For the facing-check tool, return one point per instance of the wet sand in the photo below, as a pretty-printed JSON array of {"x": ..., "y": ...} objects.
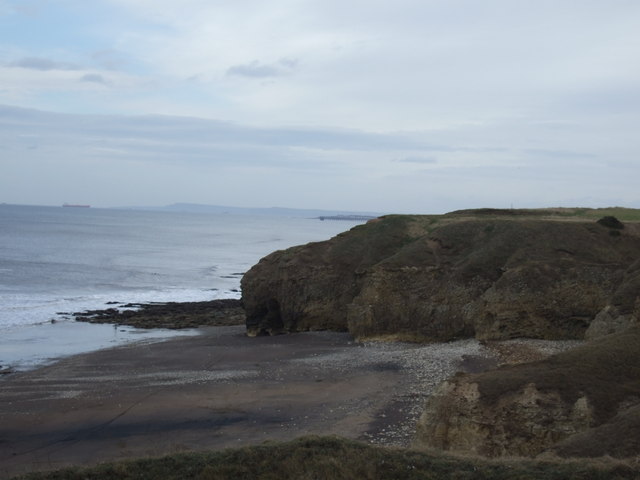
[
  {"x": 31, "y": 346},
  {"x": 216, "y": 390},
  {"x": 220, "y": 389}
]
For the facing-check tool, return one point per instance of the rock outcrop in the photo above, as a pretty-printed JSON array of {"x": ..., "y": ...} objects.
[
  {"x": 580, "y": 403},
  {"x": 497, "y": 275},
  {"x": 175, "y": 315},
  {"x": 624, "y": 308}
]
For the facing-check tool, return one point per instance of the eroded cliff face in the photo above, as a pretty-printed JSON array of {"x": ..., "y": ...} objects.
[
  {"x": 581, "y": 403},
  {"x": 436, "y": 278},
  {"x": 521, "y": 423},
  {"x": 623, "y": 309}
]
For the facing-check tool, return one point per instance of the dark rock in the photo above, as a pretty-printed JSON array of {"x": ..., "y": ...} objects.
[{"x": 170, "y": 315}]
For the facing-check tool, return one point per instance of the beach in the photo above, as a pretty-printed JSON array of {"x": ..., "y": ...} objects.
[
  {"x": 214, "y": 390},
  {"x": 221, "y": 389},
  {"x": 27, "y": 347}
]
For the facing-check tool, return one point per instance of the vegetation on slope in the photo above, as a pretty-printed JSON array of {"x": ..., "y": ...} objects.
[
  {"x": 491, "y": 273},
  {"x": 335, "y": 459},
  {"x": 584, "y": 402},
  {"x": 607, "y": 371}
]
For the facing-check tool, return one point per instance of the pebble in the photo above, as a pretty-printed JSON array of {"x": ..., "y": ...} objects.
[{"x": 423, "y": 368}]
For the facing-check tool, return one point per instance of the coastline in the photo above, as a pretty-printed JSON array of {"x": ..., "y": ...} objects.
[
  {"x": 33, "y": 346},
  {"x": 221, "y": 389},
  {"x": 30, "y": 346},
  {"x": 228, "y": 390}
]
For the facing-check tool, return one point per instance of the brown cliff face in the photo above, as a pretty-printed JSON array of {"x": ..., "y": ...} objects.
[
  {"x": 580, "y": 403},
  {"x": 308, "y": 287},
  {"x": 436, "y": 278}
]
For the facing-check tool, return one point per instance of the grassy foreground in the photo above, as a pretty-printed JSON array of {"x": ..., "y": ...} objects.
[{"x": 335, "y": 458}]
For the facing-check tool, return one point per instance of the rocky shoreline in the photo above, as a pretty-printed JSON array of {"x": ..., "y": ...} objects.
[
  {"x": 426, "y": 366},
  {"x": 421, "y": 367},
  {"x": 172, "y": 315},
  {"x": 463, "y": 315}
]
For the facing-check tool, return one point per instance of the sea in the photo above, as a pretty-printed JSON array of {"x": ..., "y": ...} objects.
[{"x": 56, "y": 261}]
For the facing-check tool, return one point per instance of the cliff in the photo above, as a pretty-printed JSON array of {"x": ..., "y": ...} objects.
[
  {"x": 485, "y": 273},
  {"x": 580, "y": 403}
]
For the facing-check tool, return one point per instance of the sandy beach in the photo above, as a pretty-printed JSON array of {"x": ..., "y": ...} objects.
[
  {"x": 216, "y": 390},
  {"x": 219, "y": 389}
]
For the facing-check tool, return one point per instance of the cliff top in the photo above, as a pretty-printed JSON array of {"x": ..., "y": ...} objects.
[
  {"x": 558, "y": 214},
  {"x": 555, "y": 213}
]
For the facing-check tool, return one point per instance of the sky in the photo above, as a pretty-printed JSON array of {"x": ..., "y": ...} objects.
[{"x": 404, "y": 106}]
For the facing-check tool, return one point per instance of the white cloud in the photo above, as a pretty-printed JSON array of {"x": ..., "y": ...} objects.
[
  {"x": 246, "y": 165},
  {"x": 373, "y": 65},
  {"x": 386, "y": 96}
]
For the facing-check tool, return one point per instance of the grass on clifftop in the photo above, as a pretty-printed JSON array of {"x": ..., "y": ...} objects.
[
  {"x": 335, "y": 459},
  {"x": 621, "y": 213}
]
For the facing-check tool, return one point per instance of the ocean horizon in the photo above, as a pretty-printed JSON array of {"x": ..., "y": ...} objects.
[{"x": 56, "y": 261}]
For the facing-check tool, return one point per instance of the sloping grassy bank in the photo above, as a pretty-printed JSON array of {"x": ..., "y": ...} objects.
[{"x": 335, "y": 458}]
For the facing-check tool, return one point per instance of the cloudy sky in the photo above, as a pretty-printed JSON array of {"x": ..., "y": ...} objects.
[{"x": 391, "y": 106}]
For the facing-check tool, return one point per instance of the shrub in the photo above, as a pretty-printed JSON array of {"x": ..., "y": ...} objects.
[{"x": 611, "y": 222}]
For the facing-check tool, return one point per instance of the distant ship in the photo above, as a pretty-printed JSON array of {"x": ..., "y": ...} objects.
[{"x": 75, "y": 205}]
